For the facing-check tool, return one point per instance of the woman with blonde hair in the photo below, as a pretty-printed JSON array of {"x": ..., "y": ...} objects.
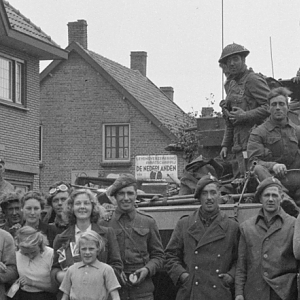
[
  {"x": 34, "y": 262},
  {"x": 82, "y": 212}
]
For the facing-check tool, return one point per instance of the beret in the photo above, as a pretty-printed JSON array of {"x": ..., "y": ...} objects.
[
  {"x": 9, "y": 197},
  {"x": 122, "y": 181},
  {"x": 203, "y": 181},
  {"x": 270, "y": 181}
]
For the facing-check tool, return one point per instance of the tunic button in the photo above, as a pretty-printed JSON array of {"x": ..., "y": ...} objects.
[
  {"x": 266, "y": 274},
  {"x": 196, "y": 283},
  {"x": 219, "y": 255},
  {"x": 196, "y": 252},
  {"x": 217, "y": 271},
  {"x": 196, "y": 268},
  {"x": 214, "y": 286},
  {"x": 267, "y": 239},
  {"x": 265, "y": 255}
]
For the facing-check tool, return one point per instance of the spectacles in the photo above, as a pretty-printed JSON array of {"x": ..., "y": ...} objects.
[{"x": 60, "y": 188}]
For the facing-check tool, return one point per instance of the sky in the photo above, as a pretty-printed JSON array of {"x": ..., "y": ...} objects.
[{"x": 182, "y": 38}]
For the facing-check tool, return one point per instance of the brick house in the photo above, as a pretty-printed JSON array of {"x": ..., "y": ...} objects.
[
  {"x": 22, "y": 46},
  {"x": 98, "y": 115}
]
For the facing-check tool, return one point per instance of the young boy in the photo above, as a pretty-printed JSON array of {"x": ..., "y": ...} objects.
[{"x": 90, "y": 279}]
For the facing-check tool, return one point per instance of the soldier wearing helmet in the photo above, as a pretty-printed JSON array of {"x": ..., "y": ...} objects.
[{"x": 245, "y": 105}]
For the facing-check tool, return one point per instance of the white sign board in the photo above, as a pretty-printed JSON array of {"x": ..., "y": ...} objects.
[{"x": 156, "y": 167}]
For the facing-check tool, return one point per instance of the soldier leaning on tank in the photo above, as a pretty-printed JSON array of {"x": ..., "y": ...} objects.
[
  {"x": 245, "y": 104},
  {"x": 274, "y": 145},
  {"x": 202, "y": 252},
  {"x": 139, "y": 241},
  {"x": 267, "y": 268}
]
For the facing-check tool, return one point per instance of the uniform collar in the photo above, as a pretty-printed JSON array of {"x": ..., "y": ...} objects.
[
  {"x": 270, "y": 124},
  {"x": 261, "y": 215},
  {"x": 119, "y": 213}
]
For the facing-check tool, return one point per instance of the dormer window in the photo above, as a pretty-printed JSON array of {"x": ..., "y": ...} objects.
[{"x": 12, "y": 80}]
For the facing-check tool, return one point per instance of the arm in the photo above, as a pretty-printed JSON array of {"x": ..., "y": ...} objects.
[
  {"x": 65, "y": 297},
  {"x": 257, "y": 151},
  {"x": 155, "y": 249},
  {"x": 47, "y": 287},
  {"x": 8, "y": 257},
  {"x": 241, "y": 268},
  {"x": 257, "y": 88},
  {"x": 174, "y": 254},
  {"x": 113, "y": 294},
  {"x": 114, "y": 256},
  {"x": 296, "y": 239}
]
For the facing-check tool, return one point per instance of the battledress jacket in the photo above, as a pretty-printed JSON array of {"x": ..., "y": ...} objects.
[
  {"x": 249, "y": 92},
  {"x": 266, "y": 259},
  {"x": 8, "y": 257},
  {"x": 204, "y": 254}
]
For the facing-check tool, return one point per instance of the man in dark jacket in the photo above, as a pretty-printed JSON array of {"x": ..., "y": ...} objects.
[
  {"x": 245, "y": 104},
  {"x": 202, "y": 252},
  {"x": 139, "y": 241},
  {"x": 267, "y": 268}
]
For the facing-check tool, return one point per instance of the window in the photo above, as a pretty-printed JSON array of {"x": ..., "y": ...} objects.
[
  {"x": 116, "y": 144},
  {"x": 12, "y": 80}
]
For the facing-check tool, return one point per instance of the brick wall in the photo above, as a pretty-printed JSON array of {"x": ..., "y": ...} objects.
[
  {"x": 19, "y": 129},
  {"x": 75, "y": 102}
]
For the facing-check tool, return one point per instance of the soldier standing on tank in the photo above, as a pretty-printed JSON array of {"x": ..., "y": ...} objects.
[{"x": 245, "y": 104}]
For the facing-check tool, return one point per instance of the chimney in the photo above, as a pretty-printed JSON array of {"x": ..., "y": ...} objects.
[
  {"x": 78, "y": 32},
  {"x": 168, "y": 91},
  {"x": 139, "y": 61}
]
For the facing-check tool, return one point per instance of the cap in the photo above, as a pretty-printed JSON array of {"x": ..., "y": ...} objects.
[
  {"x": 9, "y": 197},
  {"x": 270, "y": 181},
  {"x": 205, "y": 180},
  {"x": 122, "y": 181}
]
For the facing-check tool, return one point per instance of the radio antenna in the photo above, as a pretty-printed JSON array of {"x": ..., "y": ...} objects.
[{"x": 271, "y": 57}]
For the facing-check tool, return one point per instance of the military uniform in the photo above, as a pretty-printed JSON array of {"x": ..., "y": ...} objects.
[
  {"x": 270, "y": 144},
  {"x": 247, "y": 91},
  {"x": 140, "y": 246},
  {"x": 204, "y": 253}
]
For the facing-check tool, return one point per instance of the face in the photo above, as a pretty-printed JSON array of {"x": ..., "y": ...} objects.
[
  {"x": 278, "y": 108},
  {"x": 31, "y": 252},
  {"x": 58, "y": 201},
  {"x": 88, "y": 251},
  {"x": 235, "y": 64},
  {"x": 209, "y": 198},
  {"x": 270, "y": 199},
  {"x": 126, "y": 198},
  {"x": 13, "y": 213},
  {"x": 32, "y": 212},
  {"x": 82, "y": 207}
]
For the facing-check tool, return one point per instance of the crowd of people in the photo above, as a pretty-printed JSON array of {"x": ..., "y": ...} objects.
[{"x": 78, "y": 251}]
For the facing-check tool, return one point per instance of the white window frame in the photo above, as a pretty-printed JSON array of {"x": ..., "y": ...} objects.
[
  {"x": 15, "y": 87},
  {"x": 105, "y": 140}
]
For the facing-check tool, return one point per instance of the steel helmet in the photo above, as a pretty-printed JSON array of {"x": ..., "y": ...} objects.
[{"x": 233, "y": 49}]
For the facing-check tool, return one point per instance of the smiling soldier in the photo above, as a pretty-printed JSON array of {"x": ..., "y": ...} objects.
[
  {"x": 267, "y": 267},
  {"x": 246, "y": 103},
  {"x": 202, "y": 252},
  {"x": 139, "y": 241}
]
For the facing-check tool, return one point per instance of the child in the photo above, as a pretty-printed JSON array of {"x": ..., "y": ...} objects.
[{"x": 90, "y": 279}]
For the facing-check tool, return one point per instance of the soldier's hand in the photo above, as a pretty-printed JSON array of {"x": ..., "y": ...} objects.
[
  {"x": 223, "y": 152},
  {"x": 228, "y": 280},
  {"x": 184, "y": 277},
  {"x": 3, "y": 267},
  {"x": 123, "y": 278},
  {"x": 279, "y": 170},
  {"x": 237, "y": 114},
  {"x": 239, "y": 297},
  {"x": 141, "y": 274}
]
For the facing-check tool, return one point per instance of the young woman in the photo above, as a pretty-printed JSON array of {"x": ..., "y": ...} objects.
[
  {"x": 82, "y": 212},
  {"x": 34, "y": 262},
  {"x": 32, "y": 204}
]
